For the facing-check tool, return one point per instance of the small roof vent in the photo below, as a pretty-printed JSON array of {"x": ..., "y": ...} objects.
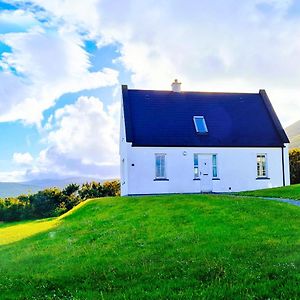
[{"x": 176, "y": 86}]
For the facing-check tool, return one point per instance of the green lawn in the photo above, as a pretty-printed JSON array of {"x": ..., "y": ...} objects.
[
  {"x": 158, "y": 247},
  {"x": 292, "y": 192}
]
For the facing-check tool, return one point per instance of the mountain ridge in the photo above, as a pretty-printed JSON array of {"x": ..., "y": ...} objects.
[
  {"x": 293, "y": 132},
  {"x": 14, "y": 189}
]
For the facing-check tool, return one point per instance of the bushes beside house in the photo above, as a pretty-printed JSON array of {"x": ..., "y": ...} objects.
[
  {"x": 294, "y": 155},
  {"x": 53, "y": 202}
]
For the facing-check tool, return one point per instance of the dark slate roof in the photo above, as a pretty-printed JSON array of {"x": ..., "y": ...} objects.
[{"x": 165, "y": 118}]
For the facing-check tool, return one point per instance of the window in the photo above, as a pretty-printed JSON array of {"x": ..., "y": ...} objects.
[
  {"x": 200, "y": 124},
  {"x": 261, "y": 162},
  {"x": 196, "y": 166},
  {"x": 160, "y": 165},
  {"x": 214, "y": 165}
]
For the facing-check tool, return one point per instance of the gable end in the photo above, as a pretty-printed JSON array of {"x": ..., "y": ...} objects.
[
  {"x": 127, "y": 114},
  {"x": 274, "y": 117}
]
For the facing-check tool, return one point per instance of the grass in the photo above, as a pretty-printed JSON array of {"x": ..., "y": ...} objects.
[
  {"x": 21, "y": 230},
  {"x": 157, "y": 247},
  {"x": 291, "y": 192}
]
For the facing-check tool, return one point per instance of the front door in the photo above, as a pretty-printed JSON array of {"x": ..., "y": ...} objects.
[{"x": 205, "y": 173}]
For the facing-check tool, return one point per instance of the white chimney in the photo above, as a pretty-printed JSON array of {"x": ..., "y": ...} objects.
[{"x": 176, "y": 86}]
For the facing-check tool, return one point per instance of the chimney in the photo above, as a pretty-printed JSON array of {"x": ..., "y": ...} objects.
[{"x": 176, "y": 86}]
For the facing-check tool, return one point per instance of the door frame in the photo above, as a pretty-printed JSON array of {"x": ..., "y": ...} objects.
[{"x": 206, "y": 184}]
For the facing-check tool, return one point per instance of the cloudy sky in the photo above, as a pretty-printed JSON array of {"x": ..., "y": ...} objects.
[{"x": 62, "y": 63}]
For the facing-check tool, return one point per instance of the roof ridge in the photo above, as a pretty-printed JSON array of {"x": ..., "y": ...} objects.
[{"x": 195, "y": 92}]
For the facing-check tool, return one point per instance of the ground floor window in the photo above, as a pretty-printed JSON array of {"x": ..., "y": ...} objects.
[
  {"x": 214, "y": 165},
  {"x": 261, "y": 163},
  {"x": 160, "y": 165},
  {"x": 196, "y": 166}
]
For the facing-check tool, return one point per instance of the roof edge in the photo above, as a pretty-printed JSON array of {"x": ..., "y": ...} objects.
[
  {"x": 283, "y": 136},
  {"x": 195, "y": 92},
  {"x": 127, "y": 114}
]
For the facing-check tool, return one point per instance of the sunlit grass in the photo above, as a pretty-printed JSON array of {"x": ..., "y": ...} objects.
[
  {"x": 17, "y": 232},
  {"x": 13, "y": 232}
]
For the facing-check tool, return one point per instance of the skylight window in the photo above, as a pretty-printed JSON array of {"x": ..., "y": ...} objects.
[{"x": 200, "y": 124}]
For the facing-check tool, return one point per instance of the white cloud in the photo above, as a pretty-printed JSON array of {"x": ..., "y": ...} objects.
[
  {"x": 12, "y": 176},
  {"x": 17, "y": 20},
  {"x": 43, "y": 65},
  {"x": 82, "y": 141},
  {"x": 80, "y": 16},
  {"x": 22, "y": 158}
]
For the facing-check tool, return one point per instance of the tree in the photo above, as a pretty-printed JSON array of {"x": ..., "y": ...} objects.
[
  {"x": 71, "y": 189},
  {"x": 44, "y": 203},
  {"x": 294, "y": 155},
  {"x": 91, "y": 190},
  {"x": 111, "y": 188}
]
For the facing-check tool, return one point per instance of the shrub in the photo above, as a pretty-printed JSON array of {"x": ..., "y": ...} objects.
[
  {"x": 53, "y": 202},
  {"x": 111, "y": 188},
  {"x": 294, "y": 155}
]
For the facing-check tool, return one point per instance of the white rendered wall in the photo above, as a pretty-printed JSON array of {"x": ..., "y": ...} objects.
[{"x": 236, "y": 169}]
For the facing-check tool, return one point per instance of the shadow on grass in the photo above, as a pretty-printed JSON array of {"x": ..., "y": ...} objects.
[{"x": 17, "y": 231}]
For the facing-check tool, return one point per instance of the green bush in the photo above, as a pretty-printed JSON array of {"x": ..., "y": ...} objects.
[
  {"x": 294, "y": 155},
  {"x": 53, "y": 202}
]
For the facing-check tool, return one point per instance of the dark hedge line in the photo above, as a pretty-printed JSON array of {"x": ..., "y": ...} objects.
[
  {"x": 54, "y": 202},
  {"x": 295, "y": 165}
]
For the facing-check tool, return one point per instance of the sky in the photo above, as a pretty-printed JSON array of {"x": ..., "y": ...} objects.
[{"x": 62, "y": 63}]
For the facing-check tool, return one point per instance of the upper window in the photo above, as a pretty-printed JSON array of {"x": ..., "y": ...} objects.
[
  {"x": 160, "y": 165},
  {"x": 261, "y": 163},
  {"x": 200, "y": 124}
]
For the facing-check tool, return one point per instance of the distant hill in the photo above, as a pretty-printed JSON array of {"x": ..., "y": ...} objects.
[
  {"x": 14, "y": 189},
  {"x": 61, "y": 183},
  {"x": 293, "y": 132}
]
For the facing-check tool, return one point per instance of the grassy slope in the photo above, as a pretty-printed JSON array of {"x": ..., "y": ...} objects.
[
  {"x": 180, "y": 247},
  {"x": 292, "y": 192}
]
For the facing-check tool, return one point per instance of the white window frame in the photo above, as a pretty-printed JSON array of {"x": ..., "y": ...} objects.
[
  {"x": 204, "y": 122},
  {"x": 259, "y": 166},
  {"x": 196, "y": 166},
  {"x": 216, "y": 165},
  {"x": 165, "y": 167}
]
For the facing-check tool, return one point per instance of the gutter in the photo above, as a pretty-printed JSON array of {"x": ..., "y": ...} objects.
[{"x": 282, "y": 162}]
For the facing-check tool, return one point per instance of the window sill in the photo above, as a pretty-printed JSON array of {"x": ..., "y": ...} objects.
[
  {"x": 160, "y": 179},
  {"x": 262, "y": 178},
  {"x": 196, "y": 179},
  {"x": 216, "y": 178}
]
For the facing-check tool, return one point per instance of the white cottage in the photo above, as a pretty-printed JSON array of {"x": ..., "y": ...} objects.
[{"x": 193, "y": 142}]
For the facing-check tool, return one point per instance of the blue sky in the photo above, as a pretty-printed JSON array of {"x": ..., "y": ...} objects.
[{"x": 62, "y": 63}]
